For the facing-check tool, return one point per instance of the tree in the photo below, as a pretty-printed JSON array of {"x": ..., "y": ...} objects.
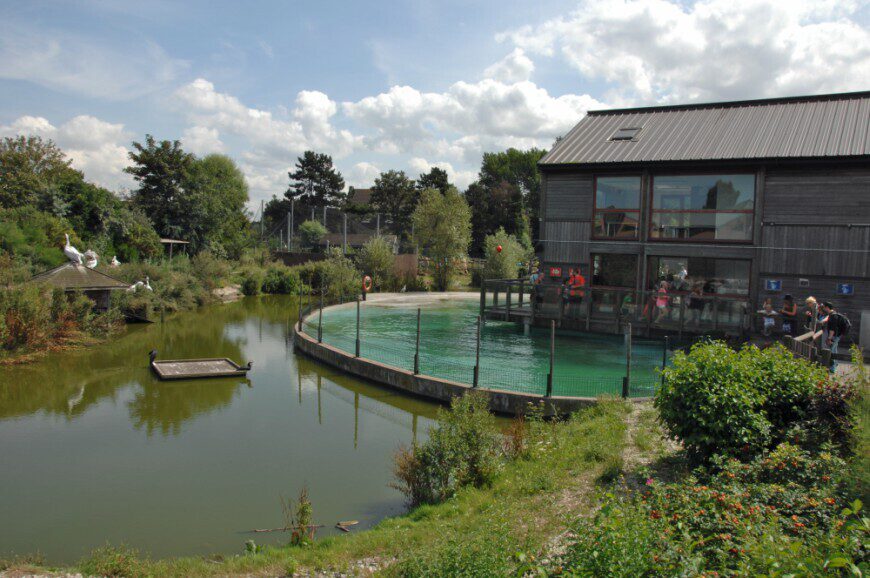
[
  {"x": 315, "y": 182},
  {"x": 311, "y": 233},
  {"x": 495, "y": 207},
  {"x": 504, "y": 264},
  {"x": 519, "y": 169},
  {"x": 31, "y": 168},
  {"x": 161, "y": 170},
  {"x": 376, "y": 258},
  {"x": 434, "y": 179},
  {"x": 394, "y": 195},
  {"x": 216, "y": 193},
  {"x": 442, "y": 229}
]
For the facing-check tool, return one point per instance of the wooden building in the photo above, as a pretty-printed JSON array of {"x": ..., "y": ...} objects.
[
  {"x": 737, "y": 202},
  {"x": 72, "y": 277}
]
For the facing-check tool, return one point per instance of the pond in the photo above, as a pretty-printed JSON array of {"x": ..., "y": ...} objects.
[
  {"x": 94, "y": 449},
  {"x": 585, "y": 364}
]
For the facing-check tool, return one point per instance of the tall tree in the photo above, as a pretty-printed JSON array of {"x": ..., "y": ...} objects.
[
  {"x": 315, "y": 181},
  {"x": 161, "y": 170},
  {"x": 492, "y": 208},
  {"x": 442, "y": 230},
  {"x": 520, "y": 169},
  {"x": 394, "y": 195},
  {"x": 31, "y": 168},
  {"x": 434, "y": 179},
  {"x": 216, "y": 192}
]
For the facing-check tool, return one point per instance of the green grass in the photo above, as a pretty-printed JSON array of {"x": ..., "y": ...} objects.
[{"x": 476, "y": 533}]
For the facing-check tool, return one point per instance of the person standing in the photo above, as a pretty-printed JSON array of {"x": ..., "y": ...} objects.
[
  {"x": 789, "y": 315},
  {"x": 838, "y": 326}
]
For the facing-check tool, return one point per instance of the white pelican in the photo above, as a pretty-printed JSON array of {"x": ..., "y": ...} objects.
[
  {"x": 148, "y": 283},
  {"x": 114, "y": 262},
  {"x": 71, "y": 252},
  {"x": 90, "y": 259}
]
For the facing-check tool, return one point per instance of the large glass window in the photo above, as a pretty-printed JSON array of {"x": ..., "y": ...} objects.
[
  {"x": 610, "y": 270},
  {"x": 728, "y": 277},
  {"x": 617, "y": 207},
  {"x": 703, "y": 207}
]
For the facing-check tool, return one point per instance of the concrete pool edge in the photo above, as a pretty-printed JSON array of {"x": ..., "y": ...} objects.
[{"x": 434, "y": 388}]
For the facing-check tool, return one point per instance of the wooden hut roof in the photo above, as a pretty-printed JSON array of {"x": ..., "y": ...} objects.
[{"x": 72, "y": 276}]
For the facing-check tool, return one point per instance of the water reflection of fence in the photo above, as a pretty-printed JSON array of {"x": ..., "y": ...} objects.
[
  {"x": 639, "y": 377},
  {"x": 610, "y": 309}
]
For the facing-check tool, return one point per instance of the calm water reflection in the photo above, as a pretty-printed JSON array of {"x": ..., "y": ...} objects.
[{"x": 94, "y": 448}]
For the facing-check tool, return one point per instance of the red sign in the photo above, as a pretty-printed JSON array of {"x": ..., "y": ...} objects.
[{"x": 555, "y": 271}]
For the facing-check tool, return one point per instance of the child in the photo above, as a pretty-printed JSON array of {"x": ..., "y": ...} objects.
[
  {"x": 769, "y": 316},
  {"x": 789, "y": 315}
]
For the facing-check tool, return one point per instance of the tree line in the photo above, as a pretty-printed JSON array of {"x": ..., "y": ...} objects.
[{"x": 505, "y": 195}]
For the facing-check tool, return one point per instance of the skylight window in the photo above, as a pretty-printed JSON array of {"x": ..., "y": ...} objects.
[{"x": 628, "y": 133}]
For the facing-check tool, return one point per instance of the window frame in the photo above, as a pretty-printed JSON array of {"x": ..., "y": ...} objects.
[
  {"x": 649, "y": 281},
  {"x": 596, "y": 210},
  {"x": 637, "y": 262},
  {"x": 653, "y": 211}
]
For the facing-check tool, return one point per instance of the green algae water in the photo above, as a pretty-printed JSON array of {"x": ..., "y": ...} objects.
[
  {"x": 94, "y": 449},
  {"x": 585, "y": 364}
]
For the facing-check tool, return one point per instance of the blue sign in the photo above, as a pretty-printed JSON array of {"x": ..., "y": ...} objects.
[
  {"x": 772, "y": 285},
  {"x": 845, "y": 289}
]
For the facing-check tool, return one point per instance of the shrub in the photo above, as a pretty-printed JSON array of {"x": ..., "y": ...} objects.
[
  {"x": 338, "y": 275},
  {"x": 112, "y": 561},
  {"x": 482, "y": 554},
  {"x": 210, "y": 270},
  {"x": 281, "y": 280},
  {"x": 311, "y": 233},
  {"x": 717, "y": 400},
  {"x": 252, "y": 281},
  {"x": 463, "y": 449},
  {"x": 376, "y": 258},
  {"x": 507, "y": 264}
]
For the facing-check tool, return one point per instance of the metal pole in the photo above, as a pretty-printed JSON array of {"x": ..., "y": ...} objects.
[
  {"x": 552, "y": 357},
  {"x": 357, "y": 326},
  {"x": 290, "y": 227},
  {"x": 320, "y": 319},
  {"x": 324, "y": 217},
  {"x": 378, "y": 224},
  {"x": 665, "y": 357},
  {"x": 417, "y": 346},
  {"x": 626, "y": 384},
  {"x": 262, "y": 219},
  {"x": 344, "y": 242},
  {"x": 476, "y": 378},
  {"x": 300, "y": 308}
]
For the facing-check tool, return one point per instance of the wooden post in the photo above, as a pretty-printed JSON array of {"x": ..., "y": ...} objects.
[
  {"x": 357, "y": 328},
  {"x": 320, "y": 319},
  {"x": 626, "y": 384},
  {"x": 476, "y": 378},
  {"x": 552, "y": 357},
  {"x": 300, "y": 308},
  {"x": 290, "y": 228},
  {"x": 417, "y": 346},
  {"x": 522, "y": 290},
  {"x": 507, "y": 310},
  {"x": 482, "y": 297},
  {"x": 617, "y": 311}
]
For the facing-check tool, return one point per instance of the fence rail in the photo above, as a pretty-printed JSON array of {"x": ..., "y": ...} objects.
[{"x": 639, "y": 377}]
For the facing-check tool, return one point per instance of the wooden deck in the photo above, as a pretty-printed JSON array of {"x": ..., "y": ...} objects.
[{"x": 198, "y": 368}]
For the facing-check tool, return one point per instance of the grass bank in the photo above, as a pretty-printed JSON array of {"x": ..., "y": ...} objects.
[{"x": 484, "y": 531}]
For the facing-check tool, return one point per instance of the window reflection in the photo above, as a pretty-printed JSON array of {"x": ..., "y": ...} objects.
[{"x": 617, "y": 207}]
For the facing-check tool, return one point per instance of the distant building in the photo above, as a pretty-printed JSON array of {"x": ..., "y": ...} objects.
[
  {"x": 73, "y": 277},
  {"x": 359, "y": 199},
  {"x": 742, "y": 200}
]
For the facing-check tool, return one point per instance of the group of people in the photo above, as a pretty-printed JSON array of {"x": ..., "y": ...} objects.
[
  {"x": 816, "y": 317},
  {"x": 667, "y": 295}
]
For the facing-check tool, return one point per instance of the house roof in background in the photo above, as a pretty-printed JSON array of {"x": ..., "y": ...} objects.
[
  {"x": 360, "y": 196},
  {"x": 70, "y": 276},
  {"x": 821, "y": 126}
]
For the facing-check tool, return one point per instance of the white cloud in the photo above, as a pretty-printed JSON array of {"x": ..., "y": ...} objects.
[
  {"x": 96, "y": 147},
  {"x": 514, "y": 67},
  {"x": 202, "y": 140},
  {"x": 81, "y": 65},
  {"x": 467, "y": 119},
  {"x": 658, "y": 50},
  {"x": 362, "y": 175}
]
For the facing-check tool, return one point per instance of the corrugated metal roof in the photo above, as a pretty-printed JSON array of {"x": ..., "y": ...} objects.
[
  {"x": 834, "y": 125},
  {"x": 73, "y": 276}
]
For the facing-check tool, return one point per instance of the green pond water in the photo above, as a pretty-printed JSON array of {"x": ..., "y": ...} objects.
[
  {"x": 94, "y": 449},
  {"x": 585, "y": 364}
]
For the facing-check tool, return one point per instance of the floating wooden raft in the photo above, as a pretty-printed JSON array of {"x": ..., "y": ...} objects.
[{"x": 196, "y": 368}]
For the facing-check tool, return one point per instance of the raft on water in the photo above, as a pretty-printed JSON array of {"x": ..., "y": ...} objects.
[{"x": 197, "y": 368}]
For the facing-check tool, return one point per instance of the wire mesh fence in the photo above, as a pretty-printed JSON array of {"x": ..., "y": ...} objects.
[{"x": 523, "y": 375}]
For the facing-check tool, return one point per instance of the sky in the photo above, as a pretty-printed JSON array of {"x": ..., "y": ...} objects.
[{"x": 404, "y": 85}]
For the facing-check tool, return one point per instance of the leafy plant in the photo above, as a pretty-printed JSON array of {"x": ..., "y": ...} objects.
[
  {"x": 113, "y": 561},
  {"x": 376, "y": 258},
  {"x": 504, "y": 264},
  {"x": 311, "y": 233}
]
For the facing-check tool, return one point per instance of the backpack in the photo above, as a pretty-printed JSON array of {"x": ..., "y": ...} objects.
[{"x": 844, "y": 323}]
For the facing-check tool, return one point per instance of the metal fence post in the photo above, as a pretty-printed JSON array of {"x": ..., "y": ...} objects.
[
  {"x": 357, "y": 327},
  {"x": 320, "y": 319},
  {"x": 626, "y": 383},
  {"x": 476, "y": 378},
  {"x": 665, "y": 357},
  {"x": 552, "y": 356},
  {"x": 417, "y": 346},
  {"x": 300, "y": 308}
]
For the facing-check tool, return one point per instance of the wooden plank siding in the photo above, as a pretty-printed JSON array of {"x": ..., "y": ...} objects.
[
  {"x": 817, "y": 195},
  {"x": 565, "y": 242},
  {"x": 831, "y": 250},
  {"x": 569, "y": 196}
]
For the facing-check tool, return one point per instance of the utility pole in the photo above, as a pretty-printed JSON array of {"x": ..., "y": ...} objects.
[
  {"x": 262, "y": 219},
  {"x": 290, "y": 228}
]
